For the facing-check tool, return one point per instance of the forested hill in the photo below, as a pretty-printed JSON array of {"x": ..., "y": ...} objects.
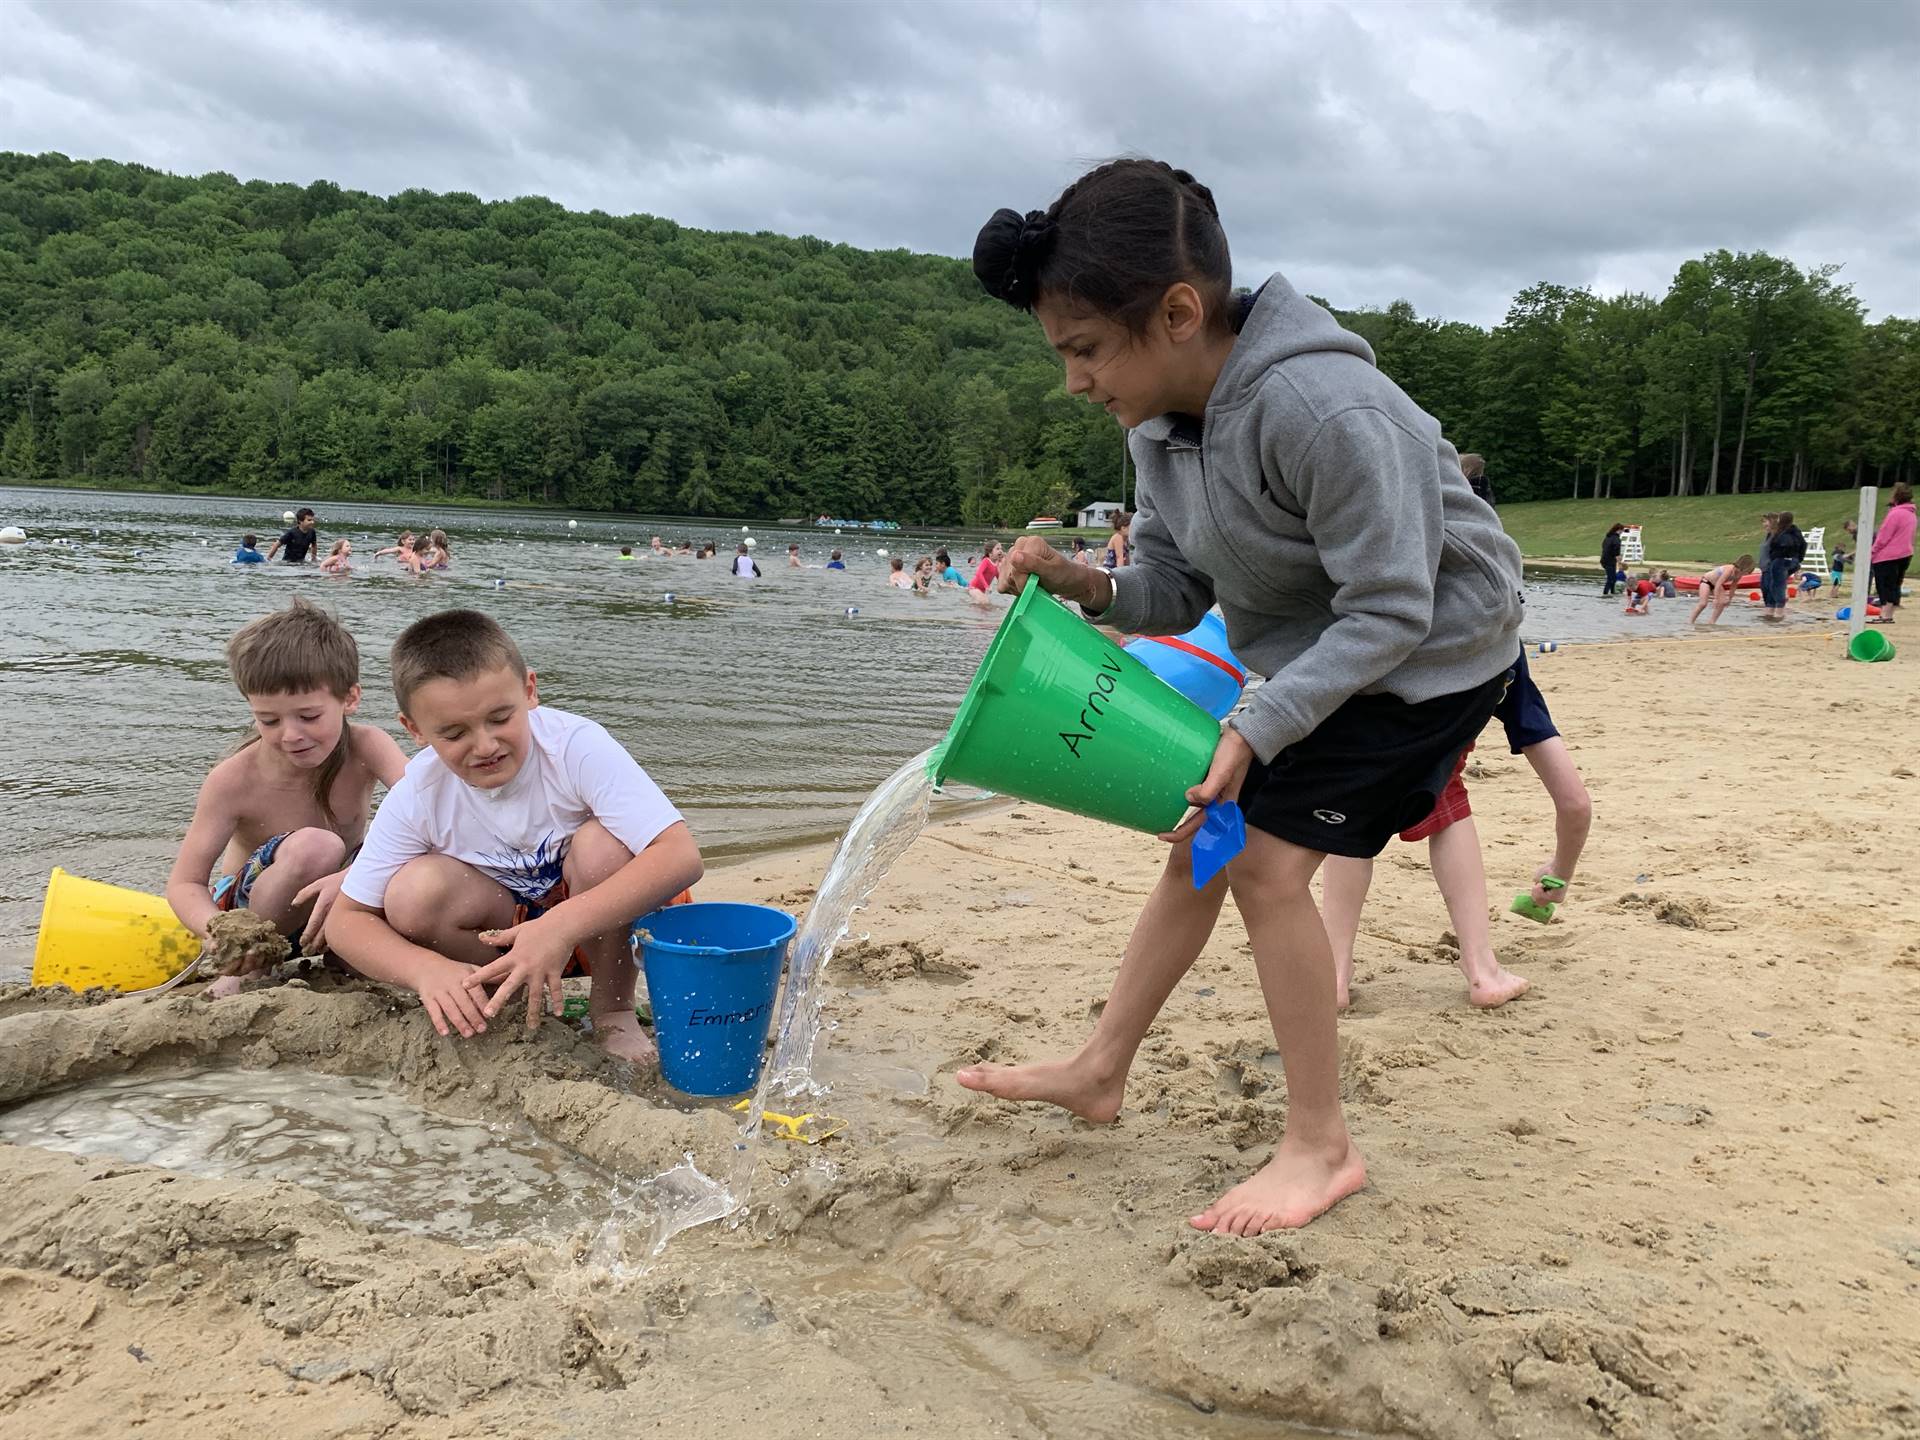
[{"x": 203, "y": 334}]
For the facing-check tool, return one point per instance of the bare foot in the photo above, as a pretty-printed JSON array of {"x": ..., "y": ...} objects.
[
  {"x": 1494, "y": 988},
  {"x": 1342, "y": 982},
  {"x": 1544, "y": 896},
  {"x": 1070, "y": 1084},
  {"x": 226, "y": 985},
  {"x": 619, "y": 1034},
  {"x": 1287, "y": 1192}
]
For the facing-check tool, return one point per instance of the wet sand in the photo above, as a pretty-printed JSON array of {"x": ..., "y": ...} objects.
[{"x": 1669, "y": 1192}]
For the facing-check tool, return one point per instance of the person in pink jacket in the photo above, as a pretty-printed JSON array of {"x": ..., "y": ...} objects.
[{"x": 1893, "y": 551}]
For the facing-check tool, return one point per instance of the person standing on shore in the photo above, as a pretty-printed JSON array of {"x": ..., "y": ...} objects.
[
  {"x": 1764, "y": 556},
  {"x": 1281, "y": 474},
  {"x": 1785, "y": 557},
  {"x": 1610, "y": 557},
  {"x": 1893, "y": 551},
  {"x": 1474, "y": 467}
]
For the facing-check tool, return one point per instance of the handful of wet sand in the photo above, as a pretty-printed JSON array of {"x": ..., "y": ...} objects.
[{"x": 240, "y": 942}]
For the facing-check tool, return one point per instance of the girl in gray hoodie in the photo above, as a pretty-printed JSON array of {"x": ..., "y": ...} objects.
[{"x": 1285, "y": 479}]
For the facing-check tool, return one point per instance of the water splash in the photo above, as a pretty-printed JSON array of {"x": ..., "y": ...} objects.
[{"x": 890, "y": 820}]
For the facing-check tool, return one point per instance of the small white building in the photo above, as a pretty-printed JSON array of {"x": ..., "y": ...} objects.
[{"x": 1100, "y": 512}]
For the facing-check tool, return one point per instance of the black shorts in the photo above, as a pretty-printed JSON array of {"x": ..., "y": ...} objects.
[
  {"x": 1373, "y": 768},
  {"x": 1523, "y": 710}
]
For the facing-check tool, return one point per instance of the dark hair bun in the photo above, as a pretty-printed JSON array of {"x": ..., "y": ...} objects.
[
  {"x": 1200, "y": 192},
  {"x": 1008, "y": 254}
]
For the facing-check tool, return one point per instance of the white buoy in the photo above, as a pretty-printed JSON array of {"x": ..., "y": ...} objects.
[
  {"x": 13, "y": 535},
  {"x": 881, "y": 553},
  {"x": 573, "y": 524},
  {"x": 752, "y": 543},
  {"x": 744, "y": 529},
  {"x": 287, "y": 515}
]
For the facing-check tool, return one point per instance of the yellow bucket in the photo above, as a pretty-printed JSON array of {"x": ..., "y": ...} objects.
[{"x": 95, "y": 934}]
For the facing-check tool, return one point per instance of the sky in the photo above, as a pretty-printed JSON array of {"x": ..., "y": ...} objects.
[{"x": 1445, "y": 152}]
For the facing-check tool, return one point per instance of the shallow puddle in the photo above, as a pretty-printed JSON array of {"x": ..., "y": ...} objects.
[{"x": 385, "y": 1160}]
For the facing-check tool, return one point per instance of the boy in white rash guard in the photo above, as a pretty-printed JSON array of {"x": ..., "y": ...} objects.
[{"x": 519, "y": 829}]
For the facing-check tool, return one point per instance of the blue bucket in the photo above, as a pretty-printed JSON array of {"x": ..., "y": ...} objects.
[
  {"x": 1198, "y": 664},
  {"x": 712, "y": 973}
]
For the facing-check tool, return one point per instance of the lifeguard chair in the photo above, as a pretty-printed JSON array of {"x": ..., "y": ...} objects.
[
  {"x": 1630, "y": 551},
  {"x": 1816, "y": 560}
]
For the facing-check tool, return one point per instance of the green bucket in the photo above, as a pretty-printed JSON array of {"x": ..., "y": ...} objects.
[
  {"x": 1870, "y": 645},
  {"x": 1060, "y": 715}
]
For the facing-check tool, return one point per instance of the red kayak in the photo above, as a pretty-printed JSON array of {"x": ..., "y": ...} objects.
[{"x": 1692, "y": 582}]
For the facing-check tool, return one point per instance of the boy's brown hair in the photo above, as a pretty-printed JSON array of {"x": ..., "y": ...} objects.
[
  {"x": 453, "y": 645},
  {"x": 299, "y": 648}
]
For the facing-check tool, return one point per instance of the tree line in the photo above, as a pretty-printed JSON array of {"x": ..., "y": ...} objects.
[{"x": 200, "y": 334}]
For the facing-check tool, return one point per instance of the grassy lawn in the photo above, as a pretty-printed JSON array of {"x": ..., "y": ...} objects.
[{"x": 1714, "y": 528}]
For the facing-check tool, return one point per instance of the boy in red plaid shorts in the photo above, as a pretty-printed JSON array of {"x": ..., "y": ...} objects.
[{"x": 1453, "y": 847}]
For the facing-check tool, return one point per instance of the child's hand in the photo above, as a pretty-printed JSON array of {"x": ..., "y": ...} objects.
[
  {"x": 448, "y": 1000},
  {"x": 322, "y": 892},
  {"x": 536, "y": 956},
  {"x": 1231, "y": 758},
  {"x": 1031, "y": 555}
]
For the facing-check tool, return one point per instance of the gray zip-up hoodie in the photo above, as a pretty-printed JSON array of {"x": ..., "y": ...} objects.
[{"x": 1325, "y": 513}]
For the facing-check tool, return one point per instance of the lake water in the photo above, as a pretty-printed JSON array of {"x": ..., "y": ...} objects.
[{"x": 765, "y": 711}]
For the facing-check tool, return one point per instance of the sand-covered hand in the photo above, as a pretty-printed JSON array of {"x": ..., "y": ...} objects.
[{"x": 536, "y": 958}]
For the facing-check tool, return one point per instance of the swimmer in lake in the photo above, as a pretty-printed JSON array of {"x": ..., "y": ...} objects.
[{"x": 404, "y": 553}]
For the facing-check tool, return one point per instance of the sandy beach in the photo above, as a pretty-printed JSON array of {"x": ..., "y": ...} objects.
[{"x": 1670, "y": 1192}]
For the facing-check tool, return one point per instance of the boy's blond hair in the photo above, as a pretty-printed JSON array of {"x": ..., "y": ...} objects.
[
  {"x": 1473, "y": 466},
  {"x": 299, "y": 648},
  {"x": 453, "y": 645}
]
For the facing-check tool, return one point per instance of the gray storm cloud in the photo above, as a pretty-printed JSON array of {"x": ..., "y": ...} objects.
[{"x": 1445, "y": 153}]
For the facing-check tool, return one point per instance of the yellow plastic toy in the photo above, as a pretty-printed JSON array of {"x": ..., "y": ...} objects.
[
  {"x": 806, "y": 1129},
  {"x": 93, "y": 934}
]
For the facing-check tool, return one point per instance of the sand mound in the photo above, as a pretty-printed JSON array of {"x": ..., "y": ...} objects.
[{"x": 240, "y": 942}]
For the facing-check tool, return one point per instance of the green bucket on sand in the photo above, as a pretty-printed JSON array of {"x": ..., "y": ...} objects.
[
  {"x": 1060, "y": 715},
  {"x": 1870, "y": 645}
]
